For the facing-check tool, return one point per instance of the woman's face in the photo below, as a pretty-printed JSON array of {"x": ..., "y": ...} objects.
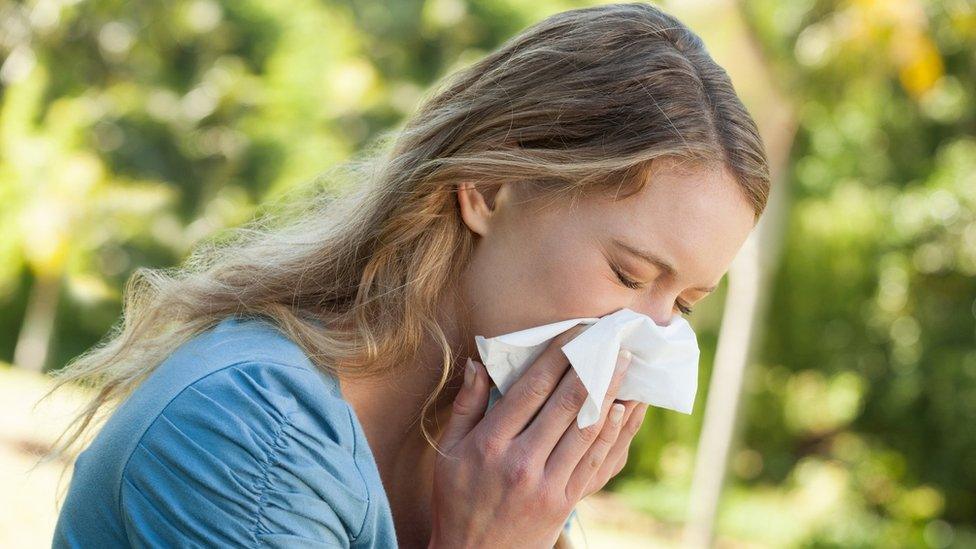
[{"x": 657, "y": 252}]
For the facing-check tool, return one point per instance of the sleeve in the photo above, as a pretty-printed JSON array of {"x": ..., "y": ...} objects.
[{"x": 250, "y": 455}]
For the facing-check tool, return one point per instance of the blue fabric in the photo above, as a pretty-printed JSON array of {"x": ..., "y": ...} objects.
[{"x": 236, "y": 440}]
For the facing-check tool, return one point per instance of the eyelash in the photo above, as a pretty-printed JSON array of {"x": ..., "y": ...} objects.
[{"x": 633, "y": 284}]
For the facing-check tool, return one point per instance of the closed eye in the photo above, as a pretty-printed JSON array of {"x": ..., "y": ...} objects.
[
  {"x": 626, "y": 280},
  {"x": 634, "y": 285}
]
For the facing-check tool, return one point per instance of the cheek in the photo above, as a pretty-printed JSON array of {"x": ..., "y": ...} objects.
[
  {"x": 576, "y": 283},
  {"x": 516, "y": 283},
  {"x": 500, "y": 288}
]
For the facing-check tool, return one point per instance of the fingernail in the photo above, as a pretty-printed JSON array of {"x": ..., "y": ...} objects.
[
  {"x": 469, "y": 373},
  {"x": 616, "y": 412}
]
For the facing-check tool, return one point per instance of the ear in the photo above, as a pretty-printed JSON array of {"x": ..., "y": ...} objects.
[{"x": 476, "y": 208}]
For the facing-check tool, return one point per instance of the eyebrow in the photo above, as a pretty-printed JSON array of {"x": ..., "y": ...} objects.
[{"x": 657, "y": 261}]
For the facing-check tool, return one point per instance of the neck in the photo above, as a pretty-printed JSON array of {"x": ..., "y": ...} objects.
[{"x": 389, "y": 409}]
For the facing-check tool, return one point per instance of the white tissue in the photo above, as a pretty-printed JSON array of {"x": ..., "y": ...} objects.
[{"x": 663, "y": 371}]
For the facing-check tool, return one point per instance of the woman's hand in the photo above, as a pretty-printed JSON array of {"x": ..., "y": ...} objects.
[{"x": 511, "y": 476}]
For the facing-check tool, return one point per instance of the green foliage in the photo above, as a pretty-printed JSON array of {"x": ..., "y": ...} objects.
[{"x": 875, "y": 301}]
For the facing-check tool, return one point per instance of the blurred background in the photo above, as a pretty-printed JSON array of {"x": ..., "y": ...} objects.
[{"x": 842, "y": 408}]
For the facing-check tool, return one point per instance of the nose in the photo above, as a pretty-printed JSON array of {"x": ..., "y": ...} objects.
[{"x": 659, "y": 308}]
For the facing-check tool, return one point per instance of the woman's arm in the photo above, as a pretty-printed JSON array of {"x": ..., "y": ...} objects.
[{"x": 236, "y": 460}]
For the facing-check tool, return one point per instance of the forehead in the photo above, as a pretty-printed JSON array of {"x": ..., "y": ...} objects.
[{"x": 695, "y": 216}]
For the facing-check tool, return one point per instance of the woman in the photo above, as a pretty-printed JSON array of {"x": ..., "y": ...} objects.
[{"x": 302, "y": 386}]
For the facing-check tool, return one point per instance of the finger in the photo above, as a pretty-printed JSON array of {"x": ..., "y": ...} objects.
[
  {"x": 597, "y": 453},
  {"x": 617, "y": 458},
  {"x": 635, "y": 422},
  {"x": 630, "y": 425},
  {"x": 561, "y": 410},
  {"x": 574, "y": 441},
  {"x": 522, "y": 401},
  {"x": 541, "y": 436},
  {"x": 469, "y": 404}
]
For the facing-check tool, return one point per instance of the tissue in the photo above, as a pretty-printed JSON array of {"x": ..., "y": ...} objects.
[{"x": 663, "y": 371}]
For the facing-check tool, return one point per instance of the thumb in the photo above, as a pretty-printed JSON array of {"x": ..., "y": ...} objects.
[{"x": 469, "y": 404}]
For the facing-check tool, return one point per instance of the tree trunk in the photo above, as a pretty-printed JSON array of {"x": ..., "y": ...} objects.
[
  {"x": 749, "y": 275},
  {"x": 34, "y": 340}
]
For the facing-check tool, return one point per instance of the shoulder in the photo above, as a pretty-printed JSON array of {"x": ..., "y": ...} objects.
[{"x": 254, "y": 452}]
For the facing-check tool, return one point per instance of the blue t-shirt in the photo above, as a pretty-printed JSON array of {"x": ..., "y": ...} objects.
[{"x": 235, "y": 440}]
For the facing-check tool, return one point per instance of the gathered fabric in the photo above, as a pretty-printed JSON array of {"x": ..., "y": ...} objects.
[{"x": 236, "y": 440}]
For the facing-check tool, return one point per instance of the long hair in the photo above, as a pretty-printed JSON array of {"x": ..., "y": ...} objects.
[{"x": 582, "y": 101}]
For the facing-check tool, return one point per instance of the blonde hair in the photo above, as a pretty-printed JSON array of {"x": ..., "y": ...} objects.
[{"x": 581, "y": 101}]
